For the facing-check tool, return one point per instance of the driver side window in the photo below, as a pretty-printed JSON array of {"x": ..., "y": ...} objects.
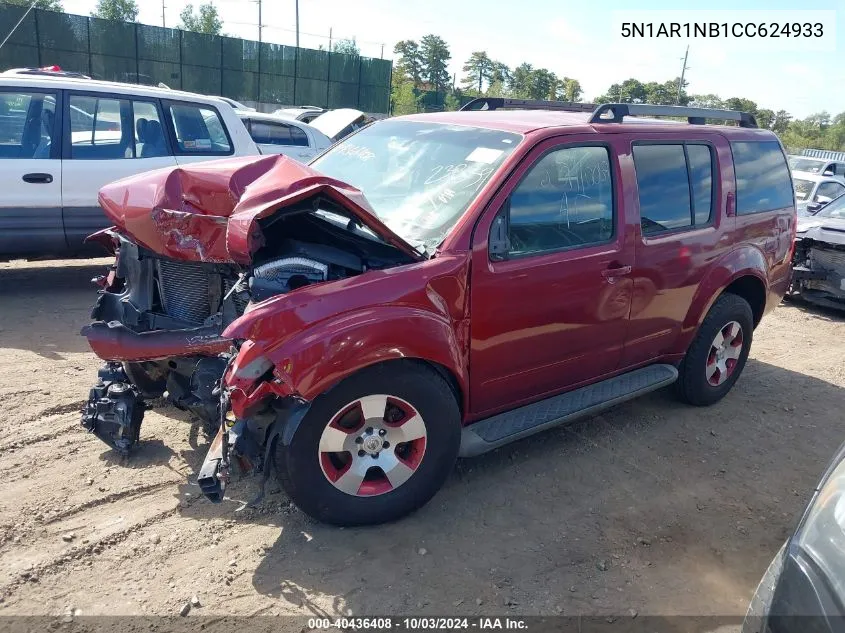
[{"x": 564, "y": 201}]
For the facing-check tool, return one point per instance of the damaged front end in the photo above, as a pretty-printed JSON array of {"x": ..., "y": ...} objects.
[
  {"x": 196, "y": 247},
  {"x": 819, "y": 265},
  {"x": 256, "y": 410}
]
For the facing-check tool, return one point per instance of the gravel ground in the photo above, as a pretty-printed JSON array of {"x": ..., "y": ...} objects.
[{"x": 653, "y": 507}]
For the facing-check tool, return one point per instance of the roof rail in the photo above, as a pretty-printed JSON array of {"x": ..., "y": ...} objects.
[
  {"x": 500, "y": 103},
  {"x": 695, "y": 116}
]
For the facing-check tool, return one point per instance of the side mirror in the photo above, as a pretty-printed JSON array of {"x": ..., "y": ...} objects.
[
  {"x": 813, "y": 207},
  {"x": 823, "y": 200},
  {"x": 828, "y": 172}
]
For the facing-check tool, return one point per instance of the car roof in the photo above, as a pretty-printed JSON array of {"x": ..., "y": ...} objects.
[
  {"x": 526, "y": 121},
  {"x": 809, "y": 175},
  {"x": 110, "y": 87}
]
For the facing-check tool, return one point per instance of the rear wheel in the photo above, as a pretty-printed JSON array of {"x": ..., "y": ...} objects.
[
  {"x": 374, "y": 448},
  {"x": 717, "y": 355}
]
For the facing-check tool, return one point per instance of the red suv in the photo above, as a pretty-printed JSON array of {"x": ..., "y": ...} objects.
[{"x": 439, "y": 285}]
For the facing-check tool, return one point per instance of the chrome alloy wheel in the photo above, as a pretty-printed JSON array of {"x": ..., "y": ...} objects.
[
  {"x": 725, "y": 351},
  {"x": 372, "y": 445}
]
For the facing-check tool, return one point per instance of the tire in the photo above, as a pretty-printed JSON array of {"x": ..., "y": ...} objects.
[
  {"x": 325, "y": 484},
  {"x": 695, "y": 384}
]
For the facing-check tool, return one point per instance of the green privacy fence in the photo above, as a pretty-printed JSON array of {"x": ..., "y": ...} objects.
[{"x": 210, "y": 64}]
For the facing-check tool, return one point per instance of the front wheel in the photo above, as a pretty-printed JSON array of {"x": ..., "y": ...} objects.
[
  {"x": 717, "y": 355},
  {"x": 374, "y": 448}
]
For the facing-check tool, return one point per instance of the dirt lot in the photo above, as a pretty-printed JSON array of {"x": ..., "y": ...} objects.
[{"x": 653, "y": 506}]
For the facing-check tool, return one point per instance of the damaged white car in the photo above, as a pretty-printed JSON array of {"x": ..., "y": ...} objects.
[{"x": 819, "y": 259}]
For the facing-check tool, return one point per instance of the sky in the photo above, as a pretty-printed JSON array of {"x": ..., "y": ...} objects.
[{"x": 573, "y": 39}]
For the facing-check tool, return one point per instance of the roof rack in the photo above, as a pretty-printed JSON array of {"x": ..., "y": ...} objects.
[
  {"x": 616, "y": 111},
  {"x": 500, "y": 103},
  {"x": 695, "y": 116}
]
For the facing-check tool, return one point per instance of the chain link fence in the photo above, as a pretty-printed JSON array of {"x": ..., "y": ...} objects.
[{"x": 244, "y": 70}]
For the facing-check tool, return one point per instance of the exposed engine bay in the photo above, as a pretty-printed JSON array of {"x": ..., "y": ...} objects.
[
  {"x": 158, "y": 321},
  {"x": 819, "y": 266}
]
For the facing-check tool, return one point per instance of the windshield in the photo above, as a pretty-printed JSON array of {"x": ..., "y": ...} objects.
[
  {"x": 835, "y": 209},
  {"x": 418, "y": 177},
  {"x": 811, "y": 165},
  {"x": 803, "y": 188}
]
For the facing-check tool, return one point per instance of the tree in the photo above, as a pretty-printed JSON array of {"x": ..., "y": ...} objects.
[
  {"x": 403, "y": 95},
  {"x": 452, "y": 102},
  {"x": 542, "y": 84},
  {"x": 500, "y": 73},
  {"x": 410, "y": 60},
  {"x": 570, "y": 89},
  {"x": 49, "y": 5},
  {"x": 706, "y": 101},
  {"x": 520, "y": 80},
  {"x": 478, "y": 69},
  {"x": 629, "y": 91},
  {"x": 122, "y": 10},
  {"x": 781, "y": 120},
  {"x": 741, "y": 105},
  {"x": 206, "y": 21},
  {"x": 435, "y": 58},
  {"x": 347, "y": 47},
  {"x": 765, "y": 118}
]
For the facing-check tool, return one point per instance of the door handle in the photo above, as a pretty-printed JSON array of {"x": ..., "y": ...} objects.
[
  {"x": 618, "y": 271},
  {"x": 38, "y": 178}
]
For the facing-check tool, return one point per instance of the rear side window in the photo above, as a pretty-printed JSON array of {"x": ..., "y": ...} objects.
[
  {"x": 149, "y": 133},
  {"x": 198, "y": 130},
  {"x": 762, "y": 177},
  {"x": 267, "y": 133},
  {"x": 675, "y": 186},
  {"x": 27, "y": 125}
]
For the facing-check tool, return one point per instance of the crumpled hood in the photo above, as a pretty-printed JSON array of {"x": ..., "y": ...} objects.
[
  {"x": 822, "y": 229},
  {"x": 207, "y": 211}
]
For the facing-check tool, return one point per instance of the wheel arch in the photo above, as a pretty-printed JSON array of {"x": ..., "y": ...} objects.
[
  {"x": 741, "y": 272},
  {"x": 321, "y": 357},
  {"x": 752, "y": 289}
]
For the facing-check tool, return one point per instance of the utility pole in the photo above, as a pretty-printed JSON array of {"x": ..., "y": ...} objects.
[
  {"x": 297, "y": 23},
  {"x": 684, "y": 68},
  {"x": 260, "y": 25},
  {"x": 382, "y": 52},
  {"x": 330, "y": 39},
  {"x": 163, "y": 25}
]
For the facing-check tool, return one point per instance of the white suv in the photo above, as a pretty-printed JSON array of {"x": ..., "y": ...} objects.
[{"x": 62, "y": 139}]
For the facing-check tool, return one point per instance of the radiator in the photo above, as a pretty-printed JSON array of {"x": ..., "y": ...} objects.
[{"x": 184, "y": 290}]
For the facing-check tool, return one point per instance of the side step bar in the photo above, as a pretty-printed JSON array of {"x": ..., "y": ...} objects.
[{"x": 504, "y": 428}]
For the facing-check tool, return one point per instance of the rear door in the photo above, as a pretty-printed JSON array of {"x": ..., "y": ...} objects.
[
  {"x": 31, "y": 172},
  {"x": 550, "y": 286},
  {"x": 682, "y": 229},
  {"x": 107, "y": 137}
]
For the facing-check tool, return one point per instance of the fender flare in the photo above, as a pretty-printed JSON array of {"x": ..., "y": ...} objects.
[{"x": 744, "y": 261}]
